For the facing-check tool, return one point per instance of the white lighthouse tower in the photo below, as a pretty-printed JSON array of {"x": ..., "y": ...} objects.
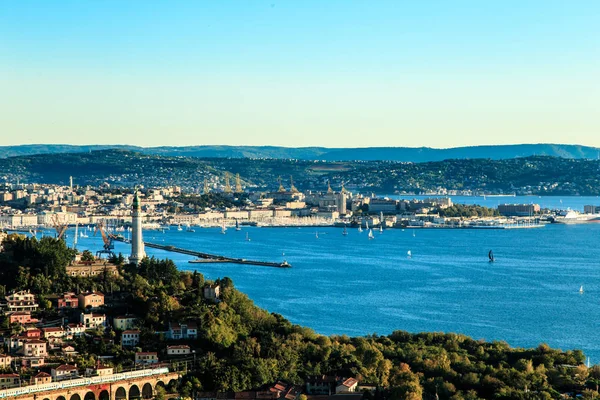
[{"x": 137, "y": 243}]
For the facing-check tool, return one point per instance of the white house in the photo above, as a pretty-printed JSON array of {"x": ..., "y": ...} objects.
[
  {"x": 91, "y": 320},
  {"x": 64, "y": 371},
  {"x": 179, "y": 350}
]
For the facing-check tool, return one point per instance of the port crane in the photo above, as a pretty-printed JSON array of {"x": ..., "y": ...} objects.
[
  {"x": 60, "y": 227},
  {"x": 107, "y": 238}
]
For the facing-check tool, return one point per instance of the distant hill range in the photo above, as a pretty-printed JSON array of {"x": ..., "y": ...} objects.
[{"x": 420, "y": 154}]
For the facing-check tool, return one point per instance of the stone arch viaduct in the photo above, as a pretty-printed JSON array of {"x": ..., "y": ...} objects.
[{"x": 138, "y": 388}]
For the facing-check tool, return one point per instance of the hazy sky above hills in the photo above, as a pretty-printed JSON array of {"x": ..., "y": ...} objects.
[{"x": 300, "y": 73}]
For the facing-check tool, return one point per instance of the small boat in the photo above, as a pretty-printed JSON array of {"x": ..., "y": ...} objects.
[
  {"x": 223, "y": 229},
  {"x": 380, "y": 228},
  {"x": 491, "y": 256},
  {"x": 285, "y": 264},
  {"x": 345, "y": 231},
  {"x": 179, "y": 228},
  {"x": 371, "y": 234},
  {"x": 409, "y": 254},
  {"x": 581, "y": 289},
  {"x": 190, "y": 229},
  {"x": 237, "y": 226},
  {"x": 247, "y": 237},
  {"x": 414, "y": 233},
  {"x": 317, "y": 235},
  {"x": 360, "y": 228}
]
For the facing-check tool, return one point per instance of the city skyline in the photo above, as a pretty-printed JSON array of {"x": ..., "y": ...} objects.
[{"x": 339, "y": 74}]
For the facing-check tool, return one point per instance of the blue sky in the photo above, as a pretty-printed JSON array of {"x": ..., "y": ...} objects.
[{"x": 300, "y": 73}]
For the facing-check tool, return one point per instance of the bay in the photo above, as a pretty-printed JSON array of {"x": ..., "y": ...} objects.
[{"x": 355, "y": 286}]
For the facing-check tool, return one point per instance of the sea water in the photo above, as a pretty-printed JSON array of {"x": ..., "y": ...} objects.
[{"x": 356, "y": 286}]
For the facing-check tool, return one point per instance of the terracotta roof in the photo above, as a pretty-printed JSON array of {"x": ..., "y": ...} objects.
[
  {"x": 131, "y": 332},
  {"x": 53, "y": 329},
  {"x": 66, "y": 367},
  {"x": 179, "y": 346},
  {"x": 9, "y": 375},
  {"x": 146, "y": 353},
  {"x": 350, "y": 382},
  {"x": 42, "y": 375}
]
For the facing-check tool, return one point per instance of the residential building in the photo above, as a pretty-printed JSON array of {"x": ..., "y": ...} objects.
[
  {"x": 41, "y": 378},
  {"x": 146, "y": 357},
  {"x": 35, "y": 348},
  {"x": 321, "y": 385},
  {"x": 21, "y": 301},
  {"x": 74, "y": 330},
  {"x": 125, "y": 322},
  {"x": 130, "y": 338},
  {"x": 178, "y": 350},
  {"x": 33, "y": 362},
  {"x": 212, "y": 292},
  {"x": 9, "y": 381},
  {"x": 68, "y": 300},
  {"x": 54, "y": 333},
  {"x": 91, "y": 300},
  {"x": 92, "y": 320},
  {"x": 5, "y": 361},
  {"x": 64, "y": 371},
  {"x": 185, "y": 330},
  {"x": 99, "y": 371},
  {"x": 31, "y": 333},
  {"x": 346, "y": 385},
  {"x": 21, "y": 317}
]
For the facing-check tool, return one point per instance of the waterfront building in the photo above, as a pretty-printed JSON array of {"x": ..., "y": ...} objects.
[
  {"x": 591, "y": 209},
  {"x": 518, "y": 210},
  {"x": 137, "y": 243}
]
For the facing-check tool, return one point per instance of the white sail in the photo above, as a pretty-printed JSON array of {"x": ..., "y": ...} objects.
[
  {"x": 360, "y": 228},
  {"x": 409, "y": 253},
  {"x": 581, "y": 289},
  {"x": 371, "y": 234}
]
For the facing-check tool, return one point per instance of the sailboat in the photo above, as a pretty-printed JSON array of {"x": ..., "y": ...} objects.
[
  {"x": 409, "y": 254},
  {"x": 491, "y": 256},
  {"x": 237, "y": 226},
  {"x": 414, "y": 233},
  {"x": 189, "y": 228},
  {"x": 360, "y": 228},
  {"x": 317, "y": 235},
  {"x": 381, "y": 222},
  {"x": 179, "y": 227},
  {"x": 223, "y": 229},
  {"x": 345, "y": 231},
  {"x": 371, "y": 234},
  {"x": 380, "y": 228},
  {"x": 581, "y": 289},
  {"x": 247, "y": 237}
]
